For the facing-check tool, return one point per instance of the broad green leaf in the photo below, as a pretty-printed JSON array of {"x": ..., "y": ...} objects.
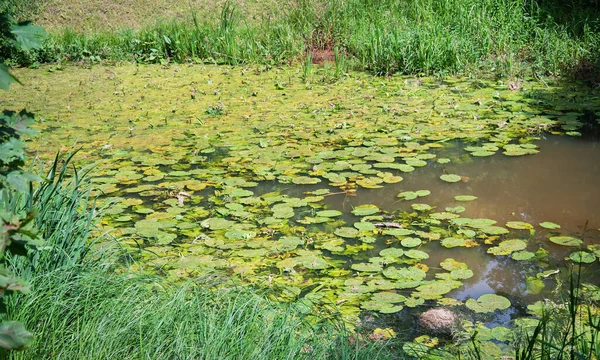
[{"x": 488, "y": 303}]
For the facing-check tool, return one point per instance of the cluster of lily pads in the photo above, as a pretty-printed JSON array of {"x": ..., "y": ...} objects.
[{"x": 190, "y": 186}]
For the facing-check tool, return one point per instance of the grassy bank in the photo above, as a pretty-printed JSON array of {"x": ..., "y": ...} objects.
[{"x": 506, "y": 37}]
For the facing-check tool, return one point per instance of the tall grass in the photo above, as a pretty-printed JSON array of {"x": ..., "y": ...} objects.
[
  {"x": 567, "y": 331},
  {"x": 82, "y": 314},
  {"x": 80, "y": 308},
  {"x": 65, "y": 216},
  {"x": 384, "y": 36}
]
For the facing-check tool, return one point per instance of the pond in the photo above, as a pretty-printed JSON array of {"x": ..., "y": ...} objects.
[{"x": 376, "y": 195}]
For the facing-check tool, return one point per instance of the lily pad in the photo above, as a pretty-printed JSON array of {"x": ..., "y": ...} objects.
[
  {"x": 582, "y": 257},
  {"x": 329, "y": 213},
  {"x": 392, "y": 252},
  {"x": 305, "y": 180},
  {"x": 549, "y": 225},
  {"x": 216, "y": 223},
  {"x": 346, "y": 232},
  {"x": 410, "y": 242},
  {"x": 451, "y": 178},
  {"x": 488, "y": 303},
  {"x": 522, "y": 255},
  {"x": 566, "y": 240},
  {"x": 366, "y": 267},
  {"x": 465, "y": 198},
  {"x": 507, "y": 247},
  {"x": 364, "y": 210},
  {"x": 421, "y": 207},
  {"x": 417, "y": 254},
  {"x": 519, "y": 225}
]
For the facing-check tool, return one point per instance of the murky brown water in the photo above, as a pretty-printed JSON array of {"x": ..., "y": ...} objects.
[{"x": 560, "y": 184}]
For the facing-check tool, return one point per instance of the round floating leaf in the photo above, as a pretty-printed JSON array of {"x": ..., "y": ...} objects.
[
  {"x": 465, "y": 197},
  {"x": 460, "y": 274},
  {"x": 410, "y": 274},
  {"x": 549, "y": 225},
  {"x": 451, "y": 264},
  {"x": 237, "y": 234},
  {"x": 417, "y": 254},
  {"x": 494, "y": 230},
  {"x": 217, "y": 223},
  {"x": 314, "y": 262},
  {"x": 456, "y": 209},
  {"x": 398, "y": 232},
  {"x": 388, "y": 297},
  {"x": 488, "y": 303},
  {"x": 329, "y": 213},
  {"x": 522, "y": 255},
  {"x": 451, "y": 178},
  {"x": 566, "y": 240},
  {"x": 482, "y": 153},
  {"x": 443, "y": 160},
  {"x": 451, "y": 242},
  {"x": 366, "y": 267},
  {"x": 507, "y": 247},
  {"x": 519, "y": 225},
  {"x": 582, "y": 257},
  {"x": 305, "y": 180},
  {"x": 391, "y": 252},
  {"x": 410, "y": 242},
  {"x": 421, "y": 207},
  {"x": 433, "y": 290},
  {"x": 346, "y": 232},
  {"x": 422, "y": 193},
  {"x": 364, "y": 210},
  {"x": 364, "y": 226},
  {"x": 240, "y": 193}
]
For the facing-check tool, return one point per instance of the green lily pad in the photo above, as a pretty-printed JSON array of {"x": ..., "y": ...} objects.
[
  {"x": 237, "y": 234},
  {"x": 519, "y": 225},
  {"x": 465, "y": 198},
  {"x": 451, "y": 242},
  {"x": 582, "y": 257},
  {"x": 314, "y": 262},
  {"x": 488, "y": 303},
  {"x": 217, "y": 223},
  {"x": 364, "y": 226},
  {"x": 305, "y": 180},
  {"x": 522, "y": 255},
  {"x": 443, "y": 160},
  {"x": 410, "y": 274},
  {"x": 451, "y": 178},
  {"x": 366, "y": 267},
  {"x": 461, "y": 274},
  {"x": 364, "y": 210},
  {"x": 433, "y": 290},
  {"x": 549, "y": 225},
  {"x": 410, "y": 242},
  {"x": 451, "y": 264},
  {"x": 391, "y": 252},
  {"x": 329, "y": 213},
  {"x": 566, "y": 241},
  {"x": 507, "y": 247},
  {"x": 421, "y": 207},
  {"x": 346, "y": 232}
]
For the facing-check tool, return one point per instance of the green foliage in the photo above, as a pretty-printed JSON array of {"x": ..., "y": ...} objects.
[
  {"x": 16, "y": 39},
  {"x": 15, "y": 231},
  {"x": 505, "y": 37},
  {"x": 141, "y": 318}
]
